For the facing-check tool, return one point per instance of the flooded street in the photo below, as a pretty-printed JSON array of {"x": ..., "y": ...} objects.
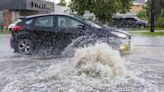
[{"x": 141, "y": 71}]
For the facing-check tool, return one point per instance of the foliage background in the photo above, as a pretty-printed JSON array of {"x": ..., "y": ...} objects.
[
  {"x": 102, "y": 9},
  {"x": 159, "y": 13}
]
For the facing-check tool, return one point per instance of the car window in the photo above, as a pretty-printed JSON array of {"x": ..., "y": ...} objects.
[
  {"x": 120, "y": 19},
  {"x": 15, "y": 23},
  {"x": 28, "y": 22},
  {"x": 46, "y": 21},
  {"x": 66, "y": 22},
  {"x": 89, "y": 22},
  {"x": 127, "y": 18},
  {"x": 18, "y": 21},
  {"x": 134, "y": 19},
  {"x": 131, "y": 19}
]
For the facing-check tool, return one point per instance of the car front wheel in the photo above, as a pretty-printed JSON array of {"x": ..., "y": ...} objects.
[
  {"x": 25, "y": 46},
  {"x": 141, "y": 26}
]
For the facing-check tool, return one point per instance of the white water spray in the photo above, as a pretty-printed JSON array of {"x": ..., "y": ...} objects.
[{"x": 99, "y": 60}]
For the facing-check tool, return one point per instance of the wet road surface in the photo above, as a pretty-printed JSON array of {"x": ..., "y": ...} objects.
[
  {"x": 145, "y": 65},
  {"x": 148, "y": 54}
]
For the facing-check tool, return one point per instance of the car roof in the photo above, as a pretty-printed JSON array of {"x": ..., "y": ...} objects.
[
  {"x": 125, "y": 17},
  {"x": 39, "y": 15}
]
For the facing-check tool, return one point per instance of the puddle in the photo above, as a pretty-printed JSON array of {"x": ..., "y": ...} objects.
[{"x": 95, "y": 68}]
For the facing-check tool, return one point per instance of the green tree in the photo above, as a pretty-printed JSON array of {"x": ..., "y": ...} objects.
[
  {"x": 125, "y": 5},
  {"x": 162, "y": 13},
  {"x": 159, "y": 5},
  {"x": 62, "y": 3},
  {"x": 159, "y": 12},
  {"x": 142, "y": 14},
  {"x": 103, "y": 9}
]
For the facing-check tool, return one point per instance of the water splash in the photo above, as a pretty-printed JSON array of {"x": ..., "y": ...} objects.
[
  {"x": 100, "y": 61},
  {"x": 79, "y": 42}
]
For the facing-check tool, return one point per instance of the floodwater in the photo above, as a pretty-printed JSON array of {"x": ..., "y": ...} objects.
[{"x": 93, "y": 69}]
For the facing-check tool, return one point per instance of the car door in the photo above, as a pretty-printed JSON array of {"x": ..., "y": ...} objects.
[
  {"x": 43, "y": 27},
  {"x": 134, "y": 22},
  {"x": 69, "y": 28}
]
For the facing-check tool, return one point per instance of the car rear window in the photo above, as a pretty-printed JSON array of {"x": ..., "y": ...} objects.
[
  {"x": 28, "y": 22},
  {"x": 18, "y": 21}
]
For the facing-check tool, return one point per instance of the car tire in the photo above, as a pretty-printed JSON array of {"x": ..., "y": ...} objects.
[
  {"x": 25, "y": 46},
  {"x": 141, "y": 26},
  {"x": 12, "y": 42}
]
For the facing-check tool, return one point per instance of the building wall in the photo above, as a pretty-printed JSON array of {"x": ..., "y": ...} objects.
[
  {"x": 136, "y": 8},
  {"x": 27, "y": 5},
  {"x": 7, "y": 17},
  {"x": 41, "y": 5},
  {"x": 28, "y": 13},
  {"x": 13, "y": 4},
  {"x": 1, "y": 19},
  {"x": 15, "y": 15},
  {"x": 11, "y": 10}
]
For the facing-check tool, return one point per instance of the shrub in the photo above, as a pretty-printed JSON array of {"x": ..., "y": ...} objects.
[
  {"x": 162, "y": 13},
  {"x": 142, "y": 14},
  {"x": 159, "y": 22}
]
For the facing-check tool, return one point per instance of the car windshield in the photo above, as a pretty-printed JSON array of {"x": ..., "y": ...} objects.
[
  {"x": 89, "y": 22},
  {"x": 136, "y": 18}
]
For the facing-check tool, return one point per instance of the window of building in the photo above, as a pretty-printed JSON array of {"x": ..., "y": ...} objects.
[{"x": 46, "y": 21}]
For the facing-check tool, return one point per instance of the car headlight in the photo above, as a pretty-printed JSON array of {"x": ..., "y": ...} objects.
[{"x": 121, "y": 35}]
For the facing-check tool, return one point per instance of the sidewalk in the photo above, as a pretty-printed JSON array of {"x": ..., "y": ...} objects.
[{"x": 144, "y": 30}]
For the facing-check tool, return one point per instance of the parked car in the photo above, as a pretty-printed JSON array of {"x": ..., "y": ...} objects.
[
  {"x": 129, "y": 22},
  {"x": 57, "y": 31}
]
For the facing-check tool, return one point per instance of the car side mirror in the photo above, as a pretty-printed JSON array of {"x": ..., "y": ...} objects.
[{"x": 81, "y": 27}]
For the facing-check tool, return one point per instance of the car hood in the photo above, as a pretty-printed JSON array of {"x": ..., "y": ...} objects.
[
  {"x": 142, "y": 21},
  {"x": 116, "y": 30}
]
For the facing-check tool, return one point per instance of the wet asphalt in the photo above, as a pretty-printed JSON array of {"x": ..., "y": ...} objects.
[{"x": 146, "y": 61}]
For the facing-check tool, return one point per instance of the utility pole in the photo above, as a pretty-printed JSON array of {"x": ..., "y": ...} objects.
[{"x": 152, "y": 15}]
